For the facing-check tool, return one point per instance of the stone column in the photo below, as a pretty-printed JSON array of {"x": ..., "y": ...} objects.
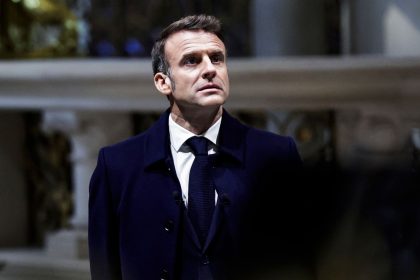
[
  {"x": 88, "y": 132},
  {"x": 389, "y": 27},
  {"x": 288, "y": 27}
]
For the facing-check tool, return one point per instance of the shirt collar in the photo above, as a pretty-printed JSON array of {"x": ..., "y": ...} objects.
[{"x": 178, "y": 135}]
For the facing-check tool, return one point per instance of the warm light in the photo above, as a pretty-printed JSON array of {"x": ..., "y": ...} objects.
[
  {"x": 305, "y": 134},
  {"x": 32, "y": 4}
]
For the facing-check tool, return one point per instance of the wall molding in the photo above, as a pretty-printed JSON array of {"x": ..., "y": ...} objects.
[{"x": 277, "y": 83}]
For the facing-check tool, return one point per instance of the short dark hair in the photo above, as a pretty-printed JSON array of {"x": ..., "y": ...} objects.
[{"x": 203, "y": 22}]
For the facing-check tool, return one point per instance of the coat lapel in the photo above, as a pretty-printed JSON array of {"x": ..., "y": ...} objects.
[
  {"x": 216, "y": 222},
  {"x": 228, "y": 184},
  {"x": 230, "y": 189},
  {"x": 191, "y": 233}
]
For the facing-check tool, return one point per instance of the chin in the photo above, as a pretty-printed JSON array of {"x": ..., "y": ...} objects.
[{"x": 213, "y": 103}]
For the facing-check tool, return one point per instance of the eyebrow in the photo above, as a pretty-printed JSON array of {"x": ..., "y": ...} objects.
[
  {"x": 219, "y": 53},
  {"x": 194, "y": 53}
]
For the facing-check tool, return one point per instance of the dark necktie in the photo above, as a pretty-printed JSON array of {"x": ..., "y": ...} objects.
[{"x": 200, "y": 188}]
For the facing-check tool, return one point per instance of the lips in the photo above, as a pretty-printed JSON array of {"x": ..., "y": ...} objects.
[{"x": 209, "y": 86}]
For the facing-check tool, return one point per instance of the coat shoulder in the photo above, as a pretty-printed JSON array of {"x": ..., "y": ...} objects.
[
  {"x": 125, "y": 149},
  {"x": 269, "y": 143}
]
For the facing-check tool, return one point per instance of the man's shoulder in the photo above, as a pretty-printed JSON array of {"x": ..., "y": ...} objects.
[
  {"x": 125, "y": 149},
  {"x": 258, "y": 141},
  {"x": 236, "y": 126},
  {"x": 135, "y": 144}
]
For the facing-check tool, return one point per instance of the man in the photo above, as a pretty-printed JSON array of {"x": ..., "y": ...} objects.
[{"x": 161, "y": 209}]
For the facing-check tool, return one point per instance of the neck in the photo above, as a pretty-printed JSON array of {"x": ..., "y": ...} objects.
[{"x": 198, "y": 121}]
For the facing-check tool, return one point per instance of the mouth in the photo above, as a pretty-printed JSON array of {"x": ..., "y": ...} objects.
[{"x": 210, "y": 86}]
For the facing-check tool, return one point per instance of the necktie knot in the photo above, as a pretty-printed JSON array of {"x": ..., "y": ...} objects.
[{"x": 198, "y": 145}]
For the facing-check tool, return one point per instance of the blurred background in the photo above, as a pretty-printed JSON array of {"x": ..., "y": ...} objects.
[{"x": 342, "y": 77}]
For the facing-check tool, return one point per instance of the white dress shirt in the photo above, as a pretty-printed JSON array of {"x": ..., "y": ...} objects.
[{"x": 182, "y": 154}]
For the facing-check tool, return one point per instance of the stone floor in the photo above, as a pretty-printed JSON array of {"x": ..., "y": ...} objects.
[{"x": 37, "y": 265}]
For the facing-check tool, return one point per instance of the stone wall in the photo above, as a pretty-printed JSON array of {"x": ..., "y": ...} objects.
[{"x": 354, "y": 114}]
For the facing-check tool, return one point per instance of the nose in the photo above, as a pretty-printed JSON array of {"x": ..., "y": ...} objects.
[{"x": 209, "y": 70}]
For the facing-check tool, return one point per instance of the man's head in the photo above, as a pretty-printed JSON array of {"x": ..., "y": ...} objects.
[
  {"x": 190, "y": 23},
  {"x": 189, "y": 64}
]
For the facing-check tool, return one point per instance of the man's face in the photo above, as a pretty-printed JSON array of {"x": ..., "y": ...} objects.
[{"x": 198, "y": 72}]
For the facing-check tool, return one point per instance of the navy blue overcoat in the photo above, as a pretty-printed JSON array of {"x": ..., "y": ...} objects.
[{"x": 136, "y": 211}]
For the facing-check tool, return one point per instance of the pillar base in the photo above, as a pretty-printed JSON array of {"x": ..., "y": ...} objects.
[
  {"x": 68, "y": 244},
  {"x": 37, "y": 265}
]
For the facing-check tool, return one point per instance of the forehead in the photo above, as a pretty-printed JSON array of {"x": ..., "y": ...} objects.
[{"x": 183, "y": 42}]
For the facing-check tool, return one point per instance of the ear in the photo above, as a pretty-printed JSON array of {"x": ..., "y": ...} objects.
[{"x": 163, "y": 83}]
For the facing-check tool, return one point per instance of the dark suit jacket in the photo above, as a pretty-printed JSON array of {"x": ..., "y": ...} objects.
[{"x": 136, "y": 210}]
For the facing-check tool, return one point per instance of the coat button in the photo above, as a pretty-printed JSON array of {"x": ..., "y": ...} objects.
[
  {"x": 169, "y": 226},
  {"x": 224, "y": 198},
  {"x": 205, "y": 260},
  {"x": 177, "y": 197},
  {"x": 164, "y": 274}
]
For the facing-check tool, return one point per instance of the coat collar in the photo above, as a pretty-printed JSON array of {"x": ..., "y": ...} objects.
[
  {"x": 156, "y": 148},
  {"x": 231, "y": 144},
  {"x": 232, "y": 137}
]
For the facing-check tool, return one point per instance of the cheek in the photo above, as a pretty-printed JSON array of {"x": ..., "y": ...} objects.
[
  {"x": 225, "y": 78},
  {"x": 186, "y": 79}
]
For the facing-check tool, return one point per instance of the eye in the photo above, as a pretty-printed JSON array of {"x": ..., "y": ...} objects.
[
  {"x": 217, "y": 58},
  {"x": 191, "y": 60}
]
